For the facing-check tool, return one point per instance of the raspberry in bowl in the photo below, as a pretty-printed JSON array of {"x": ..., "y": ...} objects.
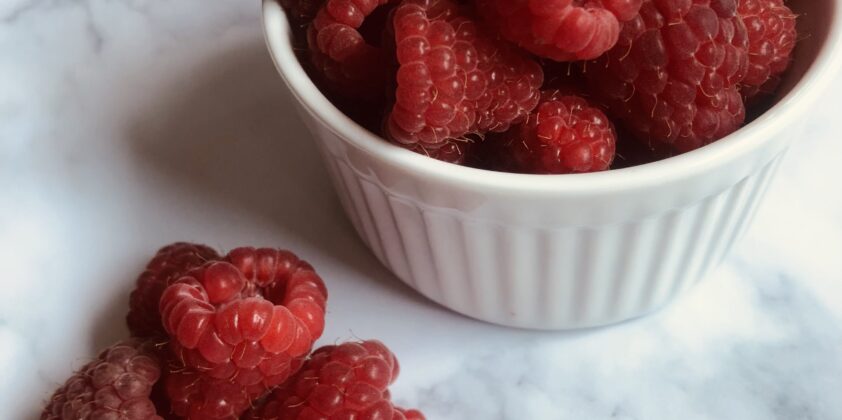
[{"x": 574, "y": 249}]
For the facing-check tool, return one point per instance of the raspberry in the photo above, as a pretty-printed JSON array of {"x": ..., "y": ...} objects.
[
  {"x": 565, "y": 134},
  {"x": 168, "y": 264},
  {"x": 194, "y": 396},
  {"x": 453, "y": 78},
  {"x": 672, "y": 77},
  {"x": 770, "y": 26},
  {"x": 561, "y": 30},
  {"x": 340, "y": 54},
  {"x": 244, "y": 321},
  {"x": 198, "y": 397},
  {"x": 348, "y": 381},
  {"x": 117, "y": 385}
]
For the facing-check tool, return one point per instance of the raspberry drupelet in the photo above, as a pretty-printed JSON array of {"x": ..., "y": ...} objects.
[
  {"x": 347, "y": 381},
  {"x": 561, "y": 30},
  {"x": 672, "y": 79},
  {"x": 168, "y": 264},
  {"x": 565, "y": 134},
  {"x": 115, "y": 386},
  {"x": 454, "y": 79},
  {"x": 244, "y": 322},
  {"x": 770, "y": 26}
]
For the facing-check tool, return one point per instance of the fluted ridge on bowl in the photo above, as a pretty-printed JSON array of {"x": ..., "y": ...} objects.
[{"x": 567, "y": 277}]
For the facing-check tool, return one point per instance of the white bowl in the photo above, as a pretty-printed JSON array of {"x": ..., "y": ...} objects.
[{"x": 558, "y": 251}]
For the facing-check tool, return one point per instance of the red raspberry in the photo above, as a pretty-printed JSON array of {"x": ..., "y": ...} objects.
[
  {"x": 454, "y": 79},
  {"x": 348, "y": 381},
  {"x": 771, "y": 38},
  {"x": 561, "y": 30},
  {"x": 168, "y": 265},
  {"x": 115, "y": 386},
  {"x": 247, "y": 320},
  {"x": 565, "y": 134},
  {"x": 340, "y": 54},
  {"x": 672, "y": 77}
]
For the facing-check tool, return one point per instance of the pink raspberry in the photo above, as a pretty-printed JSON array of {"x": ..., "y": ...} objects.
[
  {"x": 561, "y": 30},
  {"x": 454, "y": 79},
  {"x": 565, "y": 134},
  {"x": 348, "y": 381},
  {"x": 168, "y": 265},
  {"x": 117, "y": 385},
  {"x": 245, "y": 321},
  {"x": 672, "y": 77},
  {"x": 770, "y": 25}
]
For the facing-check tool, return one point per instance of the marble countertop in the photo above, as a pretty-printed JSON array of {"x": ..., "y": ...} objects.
[{"x": 128, "y": 124}]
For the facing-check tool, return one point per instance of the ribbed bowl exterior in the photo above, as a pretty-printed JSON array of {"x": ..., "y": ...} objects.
[{"x": 532, "y": 269}]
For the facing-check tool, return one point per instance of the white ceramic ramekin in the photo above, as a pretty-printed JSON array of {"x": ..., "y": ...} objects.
[{"x": 564, "y": 251}]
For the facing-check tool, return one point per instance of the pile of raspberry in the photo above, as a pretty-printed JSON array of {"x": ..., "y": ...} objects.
[
  {"x": 230, "y": 337},
  {"x": 547, "y": 86}
]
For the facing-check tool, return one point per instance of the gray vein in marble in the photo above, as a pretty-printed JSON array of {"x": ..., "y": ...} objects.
[
  {"x": 19, "y": 10},
  {"x": 95, "y": 34},
  {"x": 778, "y": 378}
]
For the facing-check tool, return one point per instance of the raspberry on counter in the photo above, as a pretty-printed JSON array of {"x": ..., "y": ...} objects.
[
  {"x": 246, "y": 321},
  {"x": 117, "y": 385},
  {"x": 347, "y": 381},
  {"x": 229, "y": 336},
  {"x": 168, "y": 264},
  {"x": 194, "y": 396}
]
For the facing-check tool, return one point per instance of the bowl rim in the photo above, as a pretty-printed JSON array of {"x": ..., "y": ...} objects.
[{"x": 694, "y": 163}]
